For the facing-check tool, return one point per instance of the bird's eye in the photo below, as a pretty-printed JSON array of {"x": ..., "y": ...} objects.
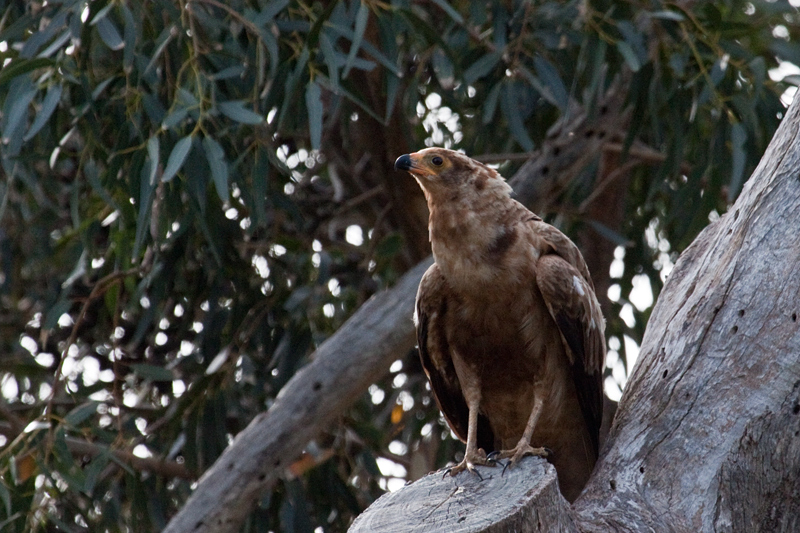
[{"x": 437, "y": 160}]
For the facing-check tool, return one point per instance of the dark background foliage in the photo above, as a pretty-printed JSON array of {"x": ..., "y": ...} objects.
[{"x": 195, "y": 194}]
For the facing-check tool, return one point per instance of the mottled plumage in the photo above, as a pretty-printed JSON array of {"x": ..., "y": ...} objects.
[{"x": 510, "y": 332}]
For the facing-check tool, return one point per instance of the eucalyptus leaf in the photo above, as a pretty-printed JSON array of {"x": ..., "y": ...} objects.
[
  {"x": 215, "y": 156},
  {"x": 146, "y": 189},
  {"x": 490, "y": 105},
  {"x": 15, "y": 108},
  {"x": 451, "y": 12},
  {"x": 128, "y": 36},
  {"x": 329, "y": 55},
  {"x": 153, "y": 152},
  {"x": 110, "y": 34},
  {"x": 49, "y": 105},
  {"x": 177, "y": 157},
  {"x": 236, "y": 110},
  {"x": 508, "y": 104},
  {"x": 21, "y": 66},
  {"x": 550, "y": 78},
  {"x": 174, "y": 118},
  {"x": 629, "y": 56},
  {"x": 481, "y": 67},
  {"x": 5, "y": 495},
  {"x": 315, "y": 110},
  {"x": 362, "y": 16},
  {"x": 81, "y": 413}
]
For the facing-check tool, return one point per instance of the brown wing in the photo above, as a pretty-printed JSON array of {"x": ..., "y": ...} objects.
[
  {"x": 433, "y": 298},
  {"x": 563, "y": 279}
]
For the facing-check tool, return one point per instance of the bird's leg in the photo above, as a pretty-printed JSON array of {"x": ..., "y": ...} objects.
[
  {"x": 471, "y": 388},
  {"x": 524, "y": 447},
  {"x": 473, "y": 455}
]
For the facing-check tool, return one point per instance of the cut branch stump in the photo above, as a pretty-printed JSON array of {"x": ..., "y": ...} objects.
[{"x": 524, "y": 498}]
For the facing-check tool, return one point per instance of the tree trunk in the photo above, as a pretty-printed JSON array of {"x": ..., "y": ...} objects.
[{"x": 707, "y": 434}]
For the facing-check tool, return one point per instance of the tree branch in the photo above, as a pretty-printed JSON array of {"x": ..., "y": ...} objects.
[{"x": 79, "y": 447}]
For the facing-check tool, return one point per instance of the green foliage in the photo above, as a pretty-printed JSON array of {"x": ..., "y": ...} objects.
[{"x": 196, "y": 194}]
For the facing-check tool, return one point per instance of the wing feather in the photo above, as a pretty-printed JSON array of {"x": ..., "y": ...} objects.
[
  {"x": 564, "y": 282},
  {"x": 434, "y": 350}
]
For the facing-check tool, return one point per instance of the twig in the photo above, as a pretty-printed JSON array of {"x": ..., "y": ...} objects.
[
  {"x": 80, "y": 447},
  {"x": 100, "y": 287}
]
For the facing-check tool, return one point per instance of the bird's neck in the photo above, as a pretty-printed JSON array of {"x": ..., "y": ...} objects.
[{"x": 464, "y": 231}]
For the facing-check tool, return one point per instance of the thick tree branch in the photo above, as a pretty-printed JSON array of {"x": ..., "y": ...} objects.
[
  {"x": 718, "y": 367},
  {"x": 358, "y": 354}
]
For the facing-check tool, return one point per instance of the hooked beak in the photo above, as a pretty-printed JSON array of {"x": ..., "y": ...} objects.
[{"x": 404, "y": 162}]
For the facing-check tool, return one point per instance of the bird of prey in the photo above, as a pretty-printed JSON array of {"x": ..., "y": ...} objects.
[{"x": 510, "y": 332}]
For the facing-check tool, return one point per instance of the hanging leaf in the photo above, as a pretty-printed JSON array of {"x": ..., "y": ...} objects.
[
  {"x": 490, "y": 105},
  {"x": 236, "y": 110},
  {"x": 15, "y": 110},
  {"x": 629, "y": 56},
  {"x": 451, "y": 12},
  {"x": 49, "y": 105},
  {"x": 109, "y": 33},
  {"x": 550, "y": 78},
  {"x": 129, "y": 37},
  {"x": 329, "y": 55},
  {"x": 315, "y": 110},
  {"x": 153, "y": 151},
  {"x": 177, "y": 157},
  {"x": 508, "y": 104},
  {"x": 5, "y": 495},
  {"x": 481, "y": 67},
  {"x": 21, "y": 66},
  {"x": 362, "y": 16},
  {"x": 215, "y": 156},
  {"x": 81, "y": 413},
  {"x": 174, "y": 118},
  {"x": 146, "y": 188}
]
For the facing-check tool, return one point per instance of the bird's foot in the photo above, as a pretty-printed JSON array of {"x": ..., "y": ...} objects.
[
  {"x": 521, "y": 450},
  {"x": 469, "y": 463}
]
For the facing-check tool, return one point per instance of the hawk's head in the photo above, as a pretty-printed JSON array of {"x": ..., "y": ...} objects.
[{"x": 440, "y": 171}]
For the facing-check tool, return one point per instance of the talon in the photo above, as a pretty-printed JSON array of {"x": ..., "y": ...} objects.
[{"x": 518, "y": 452}]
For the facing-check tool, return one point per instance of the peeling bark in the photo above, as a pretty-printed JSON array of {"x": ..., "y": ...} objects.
[{"x": 720, "y": 358}]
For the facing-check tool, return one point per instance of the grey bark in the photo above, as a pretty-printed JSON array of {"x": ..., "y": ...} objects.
[
  {"x": 524, "y": 498},
  {"x": 707, "y": 434}
]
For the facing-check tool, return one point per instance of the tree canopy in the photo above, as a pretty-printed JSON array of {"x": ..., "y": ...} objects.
[{"x": 196, "y": 194}]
